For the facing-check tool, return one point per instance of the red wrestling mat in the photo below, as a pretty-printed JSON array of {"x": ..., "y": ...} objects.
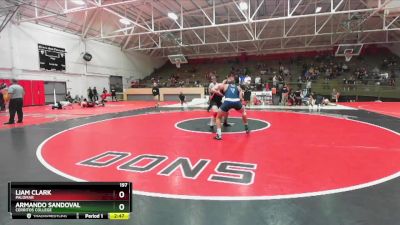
[
  {"x": 386, "y": 108},
  {"x": 35, "y": 115},
  {"x": 298, "y": 155}
]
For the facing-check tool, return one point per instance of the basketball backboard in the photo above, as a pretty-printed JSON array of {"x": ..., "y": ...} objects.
[
  {"x": 354, "y": 49},
  {"x": 348, "y": 50},
  {"x": 177, "y": 59}
]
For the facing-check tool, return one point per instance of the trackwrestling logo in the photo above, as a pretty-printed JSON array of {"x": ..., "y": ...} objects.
[{"x": 225, "y": 172}]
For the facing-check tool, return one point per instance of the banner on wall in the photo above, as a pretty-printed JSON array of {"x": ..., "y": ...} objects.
[{"x": 51, "y": 58}]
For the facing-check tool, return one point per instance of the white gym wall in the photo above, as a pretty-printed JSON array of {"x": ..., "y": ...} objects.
[{"x": 19, "y": 58}]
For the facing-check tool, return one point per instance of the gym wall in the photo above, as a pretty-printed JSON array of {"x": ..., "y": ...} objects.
[{"x": 19, "y": 58}]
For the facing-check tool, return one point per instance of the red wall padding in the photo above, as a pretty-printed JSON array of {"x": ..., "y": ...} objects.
[
  {"x": 38, "y": 92},
  {"x": 34, "y": 91},
  {"x": 26, "y": 84}
]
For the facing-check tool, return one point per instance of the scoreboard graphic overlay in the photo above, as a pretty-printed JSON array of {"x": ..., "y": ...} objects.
[{"x": 70, "y": 200}]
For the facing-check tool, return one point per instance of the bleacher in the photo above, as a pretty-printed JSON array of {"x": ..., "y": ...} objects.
[{"x": 373, "y": 59}]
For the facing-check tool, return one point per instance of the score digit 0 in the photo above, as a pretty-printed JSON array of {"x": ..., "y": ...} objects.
[{"x": 121, "y": 194}]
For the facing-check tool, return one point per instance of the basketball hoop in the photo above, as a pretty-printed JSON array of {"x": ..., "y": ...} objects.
[
  {"x": 348, "y": 50},
  {"x": 348, "y": 54},
  {"x": 177, "y": 60},
  {"x": 178, "y": 63}
]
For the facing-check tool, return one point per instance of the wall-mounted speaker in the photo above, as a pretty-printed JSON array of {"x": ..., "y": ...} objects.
[{"x": 87, "y": 57}]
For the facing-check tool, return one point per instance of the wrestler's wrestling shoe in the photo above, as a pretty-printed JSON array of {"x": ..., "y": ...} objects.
[
  {"x": 246, "y": 128},
  {"x": 218, "y": 137}
]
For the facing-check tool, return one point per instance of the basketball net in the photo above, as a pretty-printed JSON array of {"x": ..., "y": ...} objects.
[
  {"x": 348, "y": 54},
  {"x": 178, "y": 63}
]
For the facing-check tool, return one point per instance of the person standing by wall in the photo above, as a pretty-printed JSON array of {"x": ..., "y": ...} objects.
[
  {"x": 113, "y": 94},
  {"x": 2, "y": 98},
  {"x": 16, "y": 94},
  {"x": 335, "y": 96},
  {"x": 156, "y": 94},
  {"x": 95, "y": 94},
  {"x": 285, "y": 95},
  {"x": 182, "y": 99},
  {"x": 210, "y": 91},
  {"x": 90, "y": 94}
]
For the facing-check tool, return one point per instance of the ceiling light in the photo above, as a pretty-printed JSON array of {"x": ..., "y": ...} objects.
[
  {"x": 78, "y": 2},
  {"x": 243, "y": 6},
  {"x": 318, "y": 9},
  {"x": 125, "y": 21},
  {"x": 172, "y": 16}
]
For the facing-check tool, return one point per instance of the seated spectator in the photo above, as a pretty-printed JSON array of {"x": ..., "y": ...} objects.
[
  {"x": 237, "y": 79},
  {"x": 207, "y": 76},
  {"x": 345, "y": 68},
  {"x": 285, "y": 94},
  {"x": 392, "y": 82},
  {"x": 267, "y": 87},
  {"x": 68, "y": 97},
  {"x": 335, "y": 95},
  {"x": 328, "y": 73},
  {"x": 291, "y": 98},
  {"x": 247, "y": 80},
  {"x": 256, "y": 101},
  {"x": 299, "y": 82},
  {"x": 385, "y": 63},
  {"x": 384, "y": 76},
  {"x": 309, "y": 85},
  {"x": 257, "y": 80},
  {"x": 351, "y": 82},
  {"x": 297, "y": 97},
  {"x": 286, "y": 72},
  {"x": 311, "y": 99},
  {"x": 281, "y": 68},
  {"x": 319, "y": 100},
  {"x": 326, "y": 101},
  {"x": 275, "y": 81}
]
